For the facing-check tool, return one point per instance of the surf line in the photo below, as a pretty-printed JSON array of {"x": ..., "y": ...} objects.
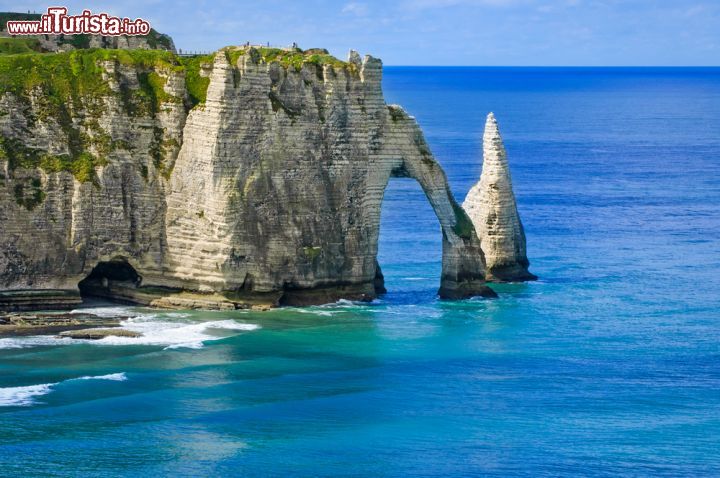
[{"x": 25, "y": 396}]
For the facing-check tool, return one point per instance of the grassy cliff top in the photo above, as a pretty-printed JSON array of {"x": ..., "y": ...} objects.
[
  {"x": 76, "y": 72},
  {"x": 287, "y": 57},
  {"x": 13, "y": 46},
  {"x": 65, "y": 76},
  {"x": 60, "y": 84}
]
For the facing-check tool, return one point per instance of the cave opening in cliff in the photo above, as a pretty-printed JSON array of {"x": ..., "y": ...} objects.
[
  {"x": 109, "y": 279},
  {"x": 410, "y": 242}
]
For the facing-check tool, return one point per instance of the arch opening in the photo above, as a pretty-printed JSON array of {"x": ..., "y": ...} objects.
[{"x": 409, "y": 258}]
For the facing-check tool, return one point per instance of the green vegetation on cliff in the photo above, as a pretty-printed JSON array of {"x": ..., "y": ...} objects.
[
  {"x": 288, "y": 57},
  {"x": 71, "y": 90},
  {"x": 463, "y": 227},
  {"x": 71, "y": 77},
  {"x": 81, "y": 164},
  {"x": 77, "y": 75},
  {"x": 297, "y": 58},
  {"x": 59, "y": 85},
  {"x": 13, "y": 46},
  {"x": 29, "y": 194},
  {"x": 196, "y": 84},
  {"x": 156, "y": 39}
]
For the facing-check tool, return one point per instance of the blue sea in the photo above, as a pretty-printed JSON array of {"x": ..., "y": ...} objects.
[{"x": 608, "y": 365}]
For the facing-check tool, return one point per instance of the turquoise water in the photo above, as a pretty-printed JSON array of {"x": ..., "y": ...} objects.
[{"x": 609, "y": 365}]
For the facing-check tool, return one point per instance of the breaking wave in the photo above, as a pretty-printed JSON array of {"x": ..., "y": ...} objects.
[
  {"x": 171, "y": 330},
  {"x": 26, "y": 396}
]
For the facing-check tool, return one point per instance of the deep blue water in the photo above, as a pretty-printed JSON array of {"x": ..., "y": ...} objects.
[{"x": 609, "y": 365}]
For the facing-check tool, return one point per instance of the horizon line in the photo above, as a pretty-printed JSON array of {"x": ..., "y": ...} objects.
[{"x": 385, "y": 65}]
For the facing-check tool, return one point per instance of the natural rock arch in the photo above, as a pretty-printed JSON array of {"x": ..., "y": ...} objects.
[
  {"x": 268, "y": 193},
  {"x": 287, "y": 193},
  {"x": 405, "y": 153}
]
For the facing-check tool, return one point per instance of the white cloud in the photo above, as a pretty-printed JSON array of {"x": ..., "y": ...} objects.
[
  {"x": 695, "y": 10},
  {"x": 355, "y": 8},
  {"x": 424, "y": 4}
]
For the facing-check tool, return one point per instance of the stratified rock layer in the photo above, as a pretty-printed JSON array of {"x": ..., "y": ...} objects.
[
  {"x": 491, "y": 206},
  {"x": 268, "y": 192}
]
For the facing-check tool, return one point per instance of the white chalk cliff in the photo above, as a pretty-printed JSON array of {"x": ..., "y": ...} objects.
[
  {"x": 491, "y": 206},
  {"x": 252, "y": 177}
]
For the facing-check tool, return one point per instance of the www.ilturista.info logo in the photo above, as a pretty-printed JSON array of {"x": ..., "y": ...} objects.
[{"x": 57, "y": 22}]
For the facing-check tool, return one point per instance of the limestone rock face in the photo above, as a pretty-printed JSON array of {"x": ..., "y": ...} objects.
[
  {"x": 492, "y": 208},
  {"x": 58, "y": 222},
  {"x": 279, "y": 183},
  {"x": 267, "y": 193},
  {"x": 152, "y": 41}
]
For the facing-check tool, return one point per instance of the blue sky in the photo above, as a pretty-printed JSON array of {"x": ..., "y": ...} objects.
[{"x": 444, "y": 32}]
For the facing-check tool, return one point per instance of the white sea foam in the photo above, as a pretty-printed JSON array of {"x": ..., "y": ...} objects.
[
  {"x": 333, "y": 308},
  {"x": 25, "y": 396},
  {"x": 10, "y": 344},
  {"x": 117, "y": 311},
  {"x": 171, "y": 330},
  {"x": 325, "y": 313},
  {"x": 117, "y": 377},
  {"x": 316, "y": 311},
  {"x": 173, "y": 334},
  {"x": 346, "y": 303},
  {"x": 27, "y": 342}
]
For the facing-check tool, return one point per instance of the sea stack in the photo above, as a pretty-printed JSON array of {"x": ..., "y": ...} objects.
[{"x": 491, "y": 206}]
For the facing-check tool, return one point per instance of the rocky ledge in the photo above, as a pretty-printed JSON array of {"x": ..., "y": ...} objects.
[
  {"x": 20, "y": 324},
  {"x": 97, "y": 334}
]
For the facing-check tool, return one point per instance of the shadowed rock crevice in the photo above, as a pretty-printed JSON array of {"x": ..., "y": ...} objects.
[
  {"x": 379, "y": 282},
  {"x": 110, "y": 280}
]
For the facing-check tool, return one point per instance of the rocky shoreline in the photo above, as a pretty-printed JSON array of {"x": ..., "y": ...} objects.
[
  {"x": 97, "y": 334},
  {"x": 76, "y": 325}
]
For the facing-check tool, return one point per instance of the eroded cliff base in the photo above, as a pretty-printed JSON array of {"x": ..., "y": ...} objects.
[
  {"x": 515, "y": 272},
  {"x": 39, "y": 299},
  {"x": 466, "y": 290}
]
